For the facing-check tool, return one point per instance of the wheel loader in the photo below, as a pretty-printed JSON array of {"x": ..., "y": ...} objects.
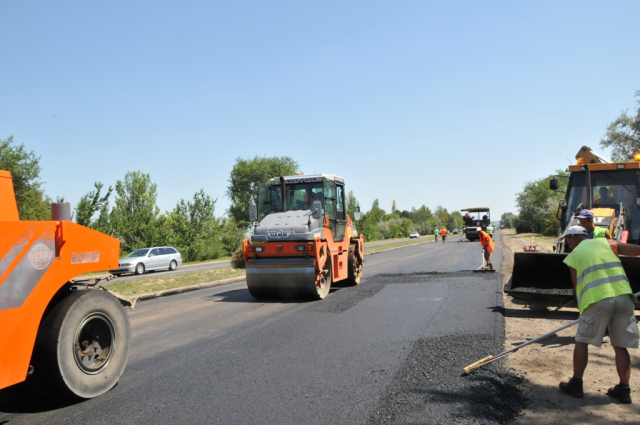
[
  {"x": 56, "y": 332},
  {"x": 303, "y": 241},
  {"x": 611, "y": 191}
]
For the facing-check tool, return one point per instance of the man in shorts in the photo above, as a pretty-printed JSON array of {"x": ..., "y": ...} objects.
[
  {"x": 604, "y": 300},
  {"x": 436, "y": 232}
]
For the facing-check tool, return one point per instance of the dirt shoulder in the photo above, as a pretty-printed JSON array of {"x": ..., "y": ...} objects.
[{"x": 545, "y": 364}]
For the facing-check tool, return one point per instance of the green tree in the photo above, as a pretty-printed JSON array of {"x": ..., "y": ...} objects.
[
  {"x": 455, "y": 220},
  {"x": 135, "y": 216},
  {"x": 193, "y": 227},
  {"x": 352, "y": 203},
  {"x": 442, "y": 214},
  {"x": 245, "y": 177},
  {"x": 369, "y": 225},
  {"x": 508, "y": 220},
  {"x": 93, "y": 203},
  {"x": 623, "y": 135},
  {"x": 538, "y": 206},
  {"x": 24, "y": 166}
]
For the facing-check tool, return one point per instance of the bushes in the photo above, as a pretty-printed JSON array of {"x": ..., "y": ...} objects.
[{"x": 237, "y": 259}]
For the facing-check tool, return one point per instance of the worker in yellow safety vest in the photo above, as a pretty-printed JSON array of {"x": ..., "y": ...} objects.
[
  {"x": 487, "y": 246},
  {"x": 605, "y": 300}
]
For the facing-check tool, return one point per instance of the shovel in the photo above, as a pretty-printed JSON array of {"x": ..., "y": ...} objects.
[
  {"x": 490, "y": 359},
  {"x": 483, "y": 267}
]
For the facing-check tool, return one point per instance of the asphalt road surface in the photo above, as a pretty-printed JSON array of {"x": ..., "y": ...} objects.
[
  {"x": 187, "y": 268},
  {"x": 390, "y": 350}
]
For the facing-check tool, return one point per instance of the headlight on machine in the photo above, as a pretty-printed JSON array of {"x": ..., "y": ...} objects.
[
  {"x": 304, "y": 247},
  {"x": 256, "y": 248}
]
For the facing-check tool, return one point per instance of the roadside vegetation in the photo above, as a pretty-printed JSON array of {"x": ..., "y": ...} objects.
[
  {"x": 537, "y": 204},
  {"x": 127, "y": 209},
  {"x": 161, "y": 283}
]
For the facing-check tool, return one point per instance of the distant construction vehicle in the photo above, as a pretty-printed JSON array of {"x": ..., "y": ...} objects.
[
  {"x": 610, "y": 191},
  {"x": 55, "y": 331},
  {"x": 303, "y": 239},
  {"x": 474, "y": 220}
]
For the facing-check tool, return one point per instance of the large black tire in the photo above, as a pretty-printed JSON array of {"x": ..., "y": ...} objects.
[
  {"x": 321, "y": 292},
  {"x": 355, "y": 269},
  {"x": 83, "y": 345}
]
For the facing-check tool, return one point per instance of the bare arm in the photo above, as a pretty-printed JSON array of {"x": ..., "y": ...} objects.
[
  {"x": 608, "y": 235},
  {"x": 620, "y": 248}
]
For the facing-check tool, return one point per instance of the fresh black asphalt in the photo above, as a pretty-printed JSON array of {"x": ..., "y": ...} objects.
[{"x": 391, "y": 350}]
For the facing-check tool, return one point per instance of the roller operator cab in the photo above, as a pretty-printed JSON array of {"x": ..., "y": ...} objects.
[
  {"x": 303, "y": 241},
  {"x": 475, "y": 219},
  {"x": 55, "y": 331}
]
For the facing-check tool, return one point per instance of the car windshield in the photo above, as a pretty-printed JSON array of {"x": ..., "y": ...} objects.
[{"x": 139, "y": 252}]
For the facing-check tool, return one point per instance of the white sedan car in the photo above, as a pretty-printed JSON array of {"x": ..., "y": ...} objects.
[{"x": 414, "y": 235}]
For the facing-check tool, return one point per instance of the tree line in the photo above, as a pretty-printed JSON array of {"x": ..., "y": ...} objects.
[
  {"x": 128, "y": 210},
  {"x": 537, "y": 204}
]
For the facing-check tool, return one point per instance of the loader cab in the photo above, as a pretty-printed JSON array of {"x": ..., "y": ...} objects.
[{"x": 612, "y": 189}]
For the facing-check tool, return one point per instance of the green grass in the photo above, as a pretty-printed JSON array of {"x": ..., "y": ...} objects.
[{"x": 161, "y": 283}]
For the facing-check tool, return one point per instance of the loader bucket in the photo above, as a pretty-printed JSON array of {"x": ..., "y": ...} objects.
[{"x": 545, "y": 278}]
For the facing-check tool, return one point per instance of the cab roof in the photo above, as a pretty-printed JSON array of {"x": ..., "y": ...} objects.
[
  {"x": 309, "y": 178},
  {"x": 476, "y": 209}
]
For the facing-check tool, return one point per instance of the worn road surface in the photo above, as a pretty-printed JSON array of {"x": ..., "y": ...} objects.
[{"x": 390, "y": 350}]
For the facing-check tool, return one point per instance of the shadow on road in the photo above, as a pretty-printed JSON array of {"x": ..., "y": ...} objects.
[
  {"x": 21, "y": 398},
  {"x": 243, "y": 296}
]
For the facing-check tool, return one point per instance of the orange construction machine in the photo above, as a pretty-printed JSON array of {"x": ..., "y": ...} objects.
[
  {"x": 55, "y": 330},
  {"x": 304, "y": 240}
]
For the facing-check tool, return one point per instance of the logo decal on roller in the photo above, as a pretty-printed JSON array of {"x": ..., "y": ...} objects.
[{"x": 40, "y": 256}]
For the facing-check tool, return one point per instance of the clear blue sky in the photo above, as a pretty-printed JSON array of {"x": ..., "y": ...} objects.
[{"x": 424, "y": 102}]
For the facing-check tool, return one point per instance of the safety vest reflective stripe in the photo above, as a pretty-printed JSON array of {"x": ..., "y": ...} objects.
[
  {"x": 600, "y": 272},
  {"x": 597, "y": 267},
  {"x": 599, "y": 282}
]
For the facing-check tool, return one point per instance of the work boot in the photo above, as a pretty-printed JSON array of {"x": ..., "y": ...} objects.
[
  {"x": 621, "y": 392},
  {"x": 573, "y": 387},
  {"x": 489, "y": 266}
]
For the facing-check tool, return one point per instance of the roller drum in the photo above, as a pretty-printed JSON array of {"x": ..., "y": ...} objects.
[{"x": 281, "y": 278}]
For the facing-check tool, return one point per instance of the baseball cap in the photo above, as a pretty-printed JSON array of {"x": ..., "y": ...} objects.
[
  {"x": 576, "y": 230},
  {"x": 585, "y": 214}
]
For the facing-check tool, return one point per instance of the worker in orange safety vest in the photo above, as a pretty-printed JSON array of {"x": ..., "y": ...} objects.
[
  {"x": 487, "y": 246},
  {"x": 443, "y": 233}
]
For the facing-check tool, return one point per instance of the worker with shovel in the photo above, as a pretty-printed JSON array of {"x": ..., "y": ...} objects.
[
  {"x": 605, "y": 300},
  {"x": 487, "y": 247}
]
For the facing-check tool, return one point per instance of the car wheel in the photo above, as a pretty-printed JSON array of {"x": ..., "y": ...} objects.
[
  {"x": 173, "y": 265},
  {"x": 139, "y": 268}
]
